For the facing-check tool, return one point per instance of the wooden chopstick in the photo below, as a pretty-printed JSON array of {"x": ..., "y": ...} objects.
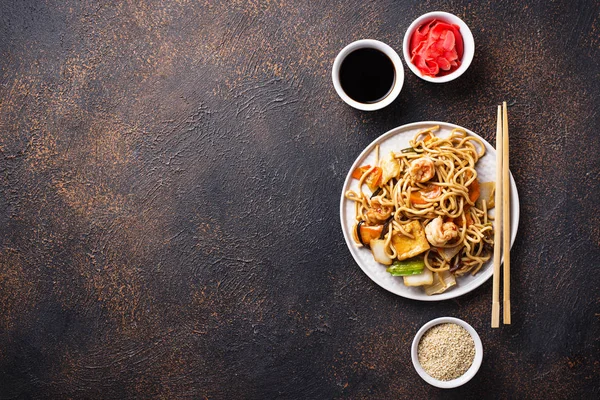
[
  {"x": 506, "y": 216},
  {"x": 498, "y": 223}
]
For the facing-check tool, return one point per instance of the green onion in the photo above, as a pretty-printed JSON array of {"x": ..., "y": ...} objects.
[
  {"x": 408, "y": 150},
  {"x": 413, "y": 266}
]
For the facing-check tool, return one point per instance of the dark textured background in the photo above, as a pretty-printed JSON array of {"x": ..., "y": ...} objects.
[{"x": 169, "y": 200}]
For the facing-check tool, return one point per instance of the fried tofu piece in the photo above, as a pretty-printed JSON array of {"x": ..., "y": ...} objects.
[{"x": 407, "y": 247}]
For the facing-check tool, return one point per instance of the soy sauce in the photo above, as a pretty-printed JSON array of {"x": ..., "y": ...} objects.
[{"x": 367, "y": 75}]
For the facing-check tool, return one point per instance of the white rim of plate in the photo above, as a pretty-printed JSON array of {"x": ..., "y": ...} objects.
[{"x": 487, "y": 270}]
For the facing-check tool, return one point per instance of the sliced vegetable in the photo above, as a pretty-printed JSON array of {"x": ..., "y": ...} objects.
[
  {"x": 440, "y": 285},
  {"x": 385, "y": 226},
  {"x": 431, "y": 192},
  {"x": 408, "y": 150},
  {"x": 367, "y": 233},
  {"x": 377, "y": 192},
  {"x": 407, "y": 247},
  {"x": 487, "y": 192},
  {"x": 474, "y": 190},
  {"x": 373, "y": 180},
  {"x": 422, "y": 279},
  {"x": 378, "y": 250},
  {"x": 468, "y": 215},
  {"x": 416, "y": 198},
  {"x": 448, "y": 252},
  {"x": 390, "y": 167},
  {"x": 358, "y": 235},
  {"x": 407, "y": 267},
  {"x": 358, "y": 172},
  {"x": 427, "y": 137}
]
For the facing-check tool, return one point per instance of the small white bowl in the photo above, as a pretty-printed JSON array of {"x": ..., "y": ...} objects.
[
  {"x": 468, "y": 41},
  {"x": 385, "y": 49},
  {"x": 466, "y": 377}
]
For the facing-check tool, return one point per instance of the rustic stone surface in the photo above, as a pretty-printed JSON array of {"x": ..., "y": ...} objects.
[{"x": 169, "y": 200}]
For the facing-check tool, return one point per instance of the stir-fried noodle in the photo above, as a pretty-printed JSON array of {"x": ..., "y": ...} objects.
[{"x": 434, "y": 182}]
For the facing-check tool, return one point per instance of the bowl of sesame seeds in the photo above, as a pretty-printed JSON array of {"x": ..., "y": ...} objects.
[{"x": 447, "y": 352}]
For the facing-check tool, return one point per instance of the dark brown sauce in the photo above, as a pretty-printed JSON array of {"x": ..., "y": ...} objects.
[{"x": 367, "y": 75}]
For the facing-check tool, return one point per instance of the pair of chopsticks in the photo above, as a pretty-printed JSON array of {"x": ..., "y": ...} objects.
[{"x": 502, "y": 230}]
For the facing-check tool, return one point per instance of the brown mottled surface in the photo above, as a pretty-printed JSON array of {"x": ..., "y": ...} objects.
[{"x": 170, "y": 181}]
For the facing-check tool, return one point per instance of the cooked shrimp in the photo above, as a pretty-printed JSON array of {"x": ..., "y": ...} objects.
[
  {"x": 422, "y": 169},
  {"x": 378, "y": 213},
  {"x": 431, "y": 192},
  {"x": 439, "y": 232}
]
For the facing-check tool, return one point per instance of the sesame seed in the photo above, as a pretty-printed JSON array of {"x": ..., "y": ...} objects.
[{"x": 446, "y": 351}]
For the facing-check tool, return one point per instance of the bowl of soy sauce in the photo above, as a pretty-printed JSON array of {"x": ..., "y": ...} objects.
[{"x": 368, "y": 74}]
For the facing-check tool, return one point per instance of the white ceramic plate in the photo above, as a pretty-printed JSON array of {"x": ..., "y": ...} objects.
[{"x": 395, "y": 140}]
